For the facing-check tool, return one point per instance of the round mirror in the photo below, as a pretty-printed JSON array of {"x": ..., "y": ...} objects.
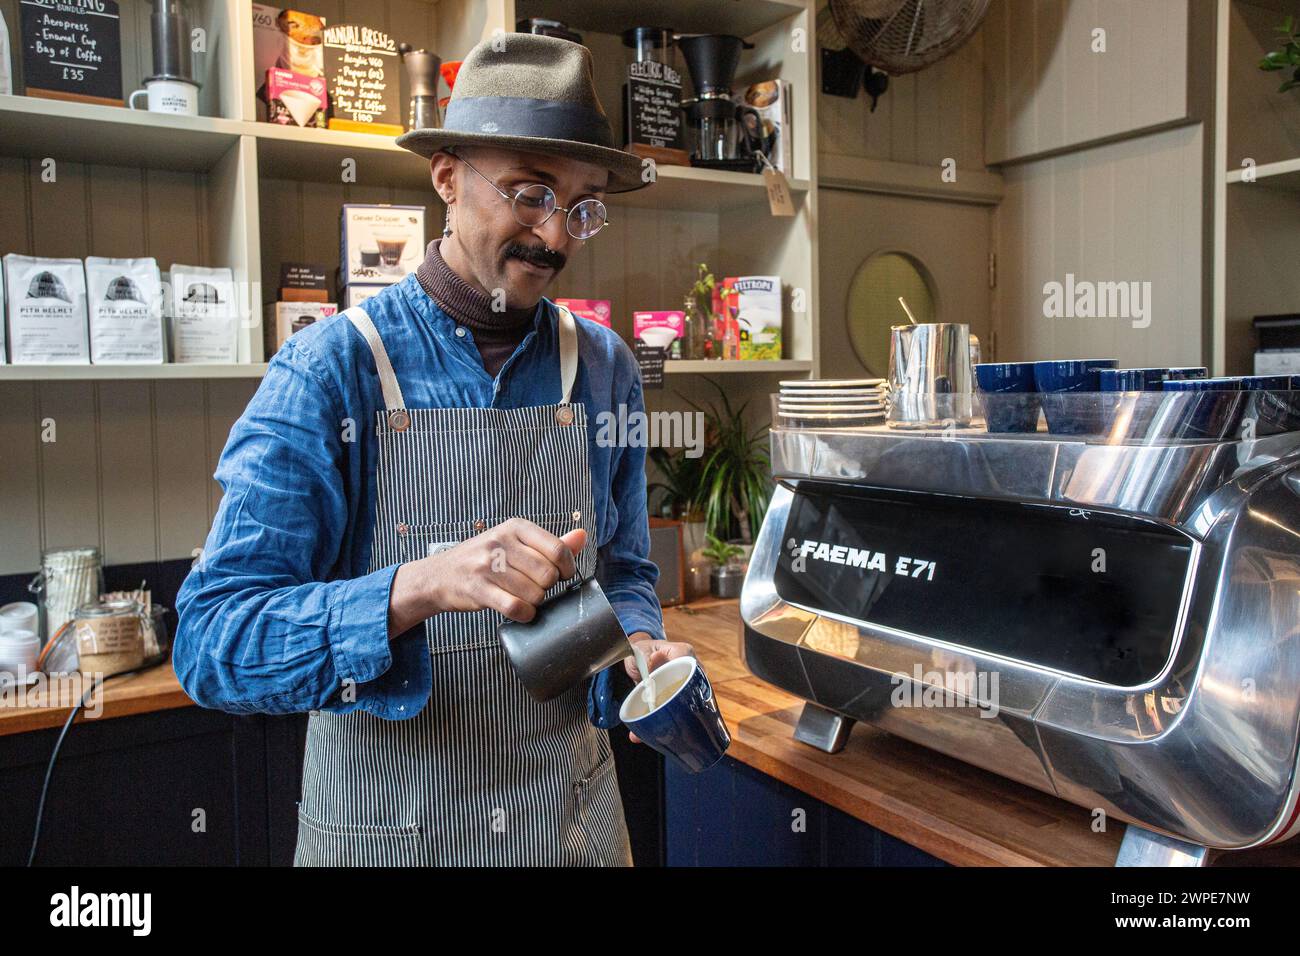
[{"x": 873, "y": 307}]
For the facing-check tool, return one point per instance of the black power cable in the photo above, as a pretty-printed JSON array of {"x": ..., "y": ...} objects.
[{"x": 49, "y": 770}]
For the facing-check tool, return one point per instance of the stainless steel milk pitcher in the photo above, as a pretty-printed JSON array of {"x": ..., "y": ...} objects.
[{"x": 930, "y": 375}]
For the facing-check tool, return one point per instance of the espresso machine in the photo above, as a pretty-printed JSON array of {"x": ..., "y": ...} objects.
[{"x": 1112, "y": 621}]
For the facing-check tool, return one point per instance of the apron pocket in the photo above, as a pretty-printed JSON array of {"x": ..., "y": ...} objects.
[
  {"x": 600, "y": 816},
  {"x": 470, "y": 630},
  {"x": 422, "y": 540},
  {"x": 347, "y": 844}
]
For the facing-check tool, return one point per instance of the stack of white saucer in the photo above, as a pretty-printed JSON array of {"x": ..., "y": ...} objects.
[{"x": 832, "y": 403}]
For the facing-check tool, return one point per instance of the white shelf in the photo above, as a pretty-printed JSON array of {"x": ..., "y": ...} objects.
[
  {"x": 63, "y": 130},
  {"x": 684, "y": 16},
  {"x": 112, "y": 135},
  {"x": 753, "y": 366},
  {"x": 695, "y": 189},
  {"x": 1284, "y": 174},
  {"x": 118, "y": 373}
]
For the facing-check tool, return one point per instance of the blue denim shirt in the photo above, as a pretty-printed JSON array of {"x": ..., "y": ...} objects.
[{"x": 279, "y": 614}]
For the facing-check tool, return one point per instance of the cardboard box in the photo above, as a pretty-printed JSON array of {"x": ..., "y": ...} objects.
[
  {"x": 660, "y": 329},
  {"x": 285, "y": 40},
  {"x": 354, "y": 295},
  {"x": 380, "y": 243},
  {"x": 1282, "y": 362},
  {"x": 771, "y": 100},
  {"x": 757, "y": 308},
  {"x": 593, "y": 310},
  {"x": 283, "y": 319},
  {"x": 293, "y": 99}
]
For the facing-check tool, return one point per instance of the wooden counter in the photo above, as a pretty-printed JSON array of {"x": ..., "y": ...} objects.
[
  {"x": 949, "y": 809},
  {"x": 49, "y": 705}
]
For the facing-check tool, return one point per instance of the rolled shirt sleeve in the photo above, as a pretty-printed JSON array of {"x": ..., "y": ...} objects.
[{"x": 267, "y": 622}]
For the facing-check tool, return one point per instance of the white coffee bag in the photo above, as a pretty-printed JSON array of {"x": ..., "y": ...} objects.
[
  {"x": 47, "y": 310},
  {"x": 204, "y": 315},
  {"x": 124, "y": 298}
]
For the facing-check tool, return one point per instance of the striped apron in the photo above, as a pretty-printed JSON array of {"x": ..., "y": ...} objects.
[{"x": 483, "y": 774}]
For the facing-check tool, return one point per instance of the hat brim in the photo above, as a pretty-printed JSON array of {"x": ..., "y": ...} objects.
[{"x": 625, "y": 168}]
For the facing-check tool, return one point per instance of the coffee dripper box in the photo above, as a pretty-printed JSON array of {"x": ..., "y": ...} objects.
[
  {"x": 294, "y": 99},
  {"x": 380, "y": 243}
]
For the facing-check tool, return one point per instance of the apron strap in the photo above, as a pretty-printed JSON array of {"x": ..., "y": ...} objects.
[
  {"x": 387, "y": 380},
  {"x": 568, "y": 353}
]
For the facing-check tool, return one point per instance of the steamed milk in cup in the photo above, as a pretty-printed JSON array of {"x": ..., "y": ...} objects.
[
  {"x": 46, "y": 300},
  {"x": 124, "y": 297}
]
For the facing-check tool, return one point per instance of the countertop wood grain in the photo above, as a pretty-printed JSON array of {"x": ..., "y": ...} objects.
[{"x": 949, "y": 809}]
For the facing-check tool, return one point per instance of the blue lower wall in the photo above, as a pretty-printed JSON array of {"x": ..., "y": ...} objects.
[{"x": 733, "y": 815}]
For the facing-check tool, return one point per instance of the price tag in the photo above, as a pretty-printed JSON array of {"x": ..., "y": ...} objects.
[{"x": 778, "y": 191}]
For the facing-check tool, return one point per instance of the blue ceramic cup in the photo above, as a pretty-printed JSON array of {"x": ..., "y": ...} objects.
[
  {"x": 1273, "y": 413},
  {"x": 685, "y": 725},
  {"x": 1132, "y": 379},
  {"x": 1206, "y": 413},
  {"x": 1274, "y": 383},
  {"x": 1069, "y": 399},
  {"x": 1009, "y": 396}
]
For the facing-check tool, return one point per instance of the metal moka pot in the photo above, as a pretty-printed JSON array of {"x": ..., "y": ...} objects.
[{"x": 930, "y": 375}]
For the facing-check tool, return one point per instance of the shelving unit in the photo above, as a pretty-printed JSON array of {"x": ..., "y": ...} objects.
[
  {"x": 129, "y": 373},
  {"x": 225, "y": 189},
  {"x": 724, "y": 366},
  {"x": 1256, "y": 223}
]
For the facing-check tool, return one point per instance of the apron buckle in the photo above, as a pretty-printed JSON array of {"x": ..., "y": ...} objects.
[
  {"x": 564, "y": 415},
  {"x": 399, "y": 420}
]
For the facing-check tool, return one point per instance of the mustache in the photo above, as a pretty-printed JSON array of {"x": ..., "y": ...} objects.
[{"x": 537, "y": 255}]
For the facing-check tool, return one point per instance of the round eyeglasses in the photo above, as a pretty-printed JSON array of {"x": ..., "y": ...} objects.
[{"x": 534, "y": 204}]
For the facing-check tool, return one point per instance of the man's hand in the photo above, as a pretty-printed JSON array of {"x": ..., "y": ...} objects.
[
  {"x": 657, "y": 653},
  {"x": 507, "y": 568}
]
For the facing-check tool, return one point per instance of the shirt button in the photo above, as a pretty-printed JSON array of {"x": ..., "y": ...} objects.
[
  {"x": 460, "y": 331},
  {"x": 406, "y": 683}
]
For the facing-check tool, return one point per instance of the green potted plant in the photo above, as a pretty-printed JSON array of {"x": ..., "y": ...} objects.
[
  {"x": 1288, "y": 57},
  {"x": 734, "y": 482},
  {"x": 701, "y": 319},
  {"x": 677, "y": 501},
  {"x": 728, "y": 574}
]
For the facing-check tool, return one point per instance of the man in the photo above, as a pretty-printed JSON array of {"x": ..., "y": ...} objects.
[{"x": 410, "y": 474}]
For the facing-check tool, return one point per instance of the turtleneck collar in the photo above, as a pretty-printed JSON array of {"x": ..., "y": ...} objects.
[{"x": 469, "y": 306}]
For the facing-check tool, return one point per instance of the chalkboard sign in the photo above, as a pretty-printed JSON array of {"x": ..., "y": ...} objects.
[
  {"x": 652, "y": 105},
  {"x": 72, "y": 50},
  {"x": 363, "y": 71},
  {"x": 651, "y": 361}
]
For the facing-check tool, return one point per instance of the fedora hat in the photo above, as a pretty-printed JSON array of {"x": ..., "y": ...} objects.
[{"x": 532, "y": 93}]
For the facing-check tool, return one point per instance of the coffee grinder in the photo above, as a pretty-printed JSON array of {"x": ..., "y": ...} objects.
[
  {"x": 719, "y": 124},
  {"x": 422, "y": 68}
]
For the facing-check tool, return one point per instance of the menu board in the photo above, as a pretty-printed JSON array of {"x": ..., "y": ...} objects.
[
  {"x": 652, "y": 105},
  {"x": 72, "y": 50},
  {"x": 362, "y": 68},
  {"x": 651, "y": 361}
]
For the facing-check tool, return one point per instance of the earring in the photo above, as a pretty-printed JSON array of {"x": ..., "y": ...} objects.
[{"x": 446, "y": 226}]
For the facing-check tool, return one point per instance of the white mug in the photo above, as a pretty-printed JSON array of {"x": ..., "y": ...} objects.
[{"x": 168, "y": 96}]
